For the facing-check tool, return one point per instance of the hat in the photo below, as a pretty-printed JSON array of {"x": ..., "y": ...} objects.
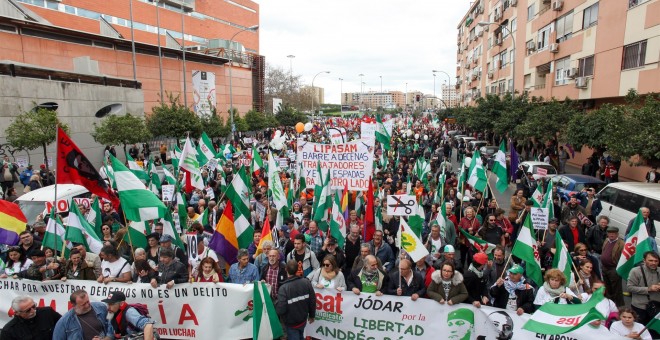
[
  {"x": 29, "y": 165},
  {"x": 38, "y": 253},
  {"x": 449, "y": 249},
  {"x": 284, "y": 228},
  {"x": 480, "y": 258},
  {"x": 166, "y": 238},
  {"x": 154, "y": 235},
  {"x": 553, "y": 221},
  {"x": 462, "y": 314},
  {"x": 296, "y": 203},
  {"x": 43, "y": 166},
  {"x": 612, "y": 230},
  {"x": 332, "y": 241},
  {"x": 115, "y": 297},
  {"x": 516, "y": 269}
]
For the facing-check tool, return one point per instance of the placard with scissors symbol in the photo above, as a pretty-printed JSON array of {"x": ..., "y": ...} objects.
[{"x": 401, "y": 205}]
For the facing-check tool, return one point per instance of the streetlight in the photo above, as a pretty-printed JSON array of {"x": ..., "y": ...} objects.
[
  {"x": 381, "y": 84},
  {"x": 513, "y": 41},
  {"x": 341, "y": 95},
  {"x": 231, "y": 60},
  {"x": 448, "y": 78},
  {"x": 434, "y": 90},
  {"x": 291, "y": 56},
  {"x": 313, "y": 91},
  {"x": 361, "y": 92}
]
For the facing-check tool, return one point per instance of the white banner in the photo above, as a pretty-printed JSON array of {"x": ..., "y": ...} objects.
[
  {"x": 350, "y": 164},
  {"x": 203, "y": 92},
  {"x": 22, "y": 162},
  {"x": 365, "y": 316},
  {"x": 337, "y": 135},
  {"x": 283, "y": 163},
  {"x": 168, "y": 192},
  {"x": 63, "y": 205},
  {"x": 187, "y": 311},
  {"x": 401, "y": 205},
  {"x": 539, "y": 218},
  {"x": 368, "y": 130}
]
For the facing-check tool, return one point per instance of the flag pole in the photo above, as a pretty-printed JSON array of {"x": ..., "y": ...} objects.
[
  {"x": 57, "y": 149},
  {"x": 128, "y": 231},
  {"x": 647, "y": 325},
  {"x": 506, "y": 264}
]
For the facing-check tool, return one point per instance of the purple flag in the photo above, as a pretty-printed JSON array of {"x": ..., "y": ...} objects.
[
  {"x": 514, "y": 161},
  {"x": 570, "y": 149}
]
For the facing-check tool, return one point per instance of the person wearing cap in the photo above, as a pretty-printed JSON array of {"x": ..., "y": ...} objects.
[
  {"x": 126, "y": 319},
  {"x": 330, "y": 247},
  {"x": 114, "y": 268},
  {"x": 609, "y": 258},
  {"x": 449, "y": 255},
  {"x": 26, "y": 175},
  {"x": 476, "y": 280},
  {"x": 166, "y": 243},
  {"x": 170, "y": 270},
  {"x": 37, "y": 271},
  {"x": 447, "y": 285},
  {"x": 513, "y": 293},
  {"x": 29, "y": 321},
  {"x": 529, "y": 184}
]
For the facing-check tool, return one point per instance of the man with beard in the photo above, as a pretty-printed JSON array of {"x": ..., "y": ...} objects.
[
  {"x": 495, "y": 268},
  {"x": 352, "y": 248},
  {"x": 491, "y": 232},
  {"x": 571, "y": 209},
  {"x": 30, "y": 322},
  {"x": 126, "y": 319},
  {"x": 86, "y": 320},
  {"x": 368, "y": 279},
  {"x": 274, "y": 273}
]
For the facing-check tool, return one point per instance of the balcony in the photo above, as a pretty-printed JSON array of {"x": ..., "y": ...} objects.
[{"x": 187, "y": 5}]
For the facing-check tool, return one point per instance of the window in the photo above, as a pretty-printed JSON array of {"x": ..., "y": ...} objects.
[
  {"x": 501, "y": 87},
  {"x": 586, "y": 66},
  {"x": 530, "y": 12},
  {"x": 503, "y": 59},
  {"x": 505, "y": 32},
  {"x": 590, "y": 16},
  {"x": 633, "y": 3},
  {"x": 512, "y": 56},
  {"x": 544, "y": 37},
  {"x": 562, "y": 67},
  {"x": 629, "y": 201},
  {"x": 608, "y": 195},
  {"x": 528, "y": 80},
  {"x": 564, "y": 27},
  {"x": 514, "y": 24},
  {"x": 634, "y": 55},
  {"x": 511, "y": 85}
]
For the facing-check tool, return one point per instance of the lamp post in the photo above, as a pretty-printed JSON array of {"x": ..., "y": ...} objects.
[
  {"x": 434, "y": 90},
  {"x": 314, "y": 92},
  {"x": 231, "y": 94},
  {"x": 341, "y": 96},
  {"x": 361, "y": 92},
  {"x": 381, "y": 84},
  {"x": 448, "y": 78},
  {"x": 291, "y": 56},
  {"x": 513, "y": 41},
  {"x": 405, "y": 101}
]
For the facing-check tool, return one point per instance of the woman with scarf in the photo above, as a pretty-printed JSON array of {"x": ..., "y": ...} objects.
[
  {"x": 554, "y": 290},
  {"x": 208, "y": 271},
  {"x": 328, "y": 275},
  {"x": 587, "y": 277},
  {"x": 513, "y": 293},
  {"x": 476, "y": 282},
  {"x": 447, "y": 285}
]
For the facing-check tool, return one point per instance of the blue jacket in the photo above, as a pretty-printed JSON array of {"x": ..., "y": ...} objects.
[
  {"x": 25, "y": 177},
  {"x": 68, "y": 327},
  {"x": 385, "y": 255}
]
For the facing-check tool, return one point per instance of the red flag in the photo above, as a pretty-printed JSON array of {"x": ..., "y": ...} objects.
[
  {"x": 369, "y": 218},
  {"x": 74, "y": 168}
]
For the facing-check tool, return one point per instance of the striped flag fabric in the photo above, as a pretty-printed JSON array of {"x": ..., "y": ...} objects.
[
  {"x": 80, "y": 231},
  {"x": 266, "y": 235},
  {"x": 381, "y": 134},
  {"x": 205, "y": 149},
  {"x": 12, "y": 222},
  {"x": 138, "y": 203},
  {"x": 338, "y": 223},
  {"x": 265, "y": 322},
  {"x": 137, "y": 233},
  {"x": 441, "y": 218},
  {"x": 654, "y": 324},
  {"x": 321, "y": 199},
  {"x": 527, "y": 250},
  {"x": 203, "y": 218},
  {"x": 421, "y": 169},
  {"x": 275, "y": 184},
  {"x": 224, "y": 241},
  {"x": 238, "y": 193},
  {"x": 189, "y": 163},
  {"x": 478, "y": 243},
  {"x": 169, "y": 178},
  {"x": 499, "y": 168},
  {"x": 55, "y": 231},
  {"x": 537, "y": 198},
  {"x": 154, "y": 184},
  {"x": 257, "y": 163},
  {"x": 169, "y": 229},
  {"x": 182, "y": 210},
  {"x": 547, "y": 201},
  {"x": 95, "y": 218},
  {"x": 637, "y": 243},
  {"x": 137, "y": 170},
  {"x": 416, "y": 222},
  {"x": 552, "y": 318},
  {"x": 562, "y": 259},
  {"x": 476, "y": 174},
  {"x": 109, "y": 173}
]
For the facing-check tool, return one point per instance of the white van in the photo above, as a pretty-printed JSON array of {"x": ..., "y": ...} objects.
[
  {"x": 621, "y": 202},
  {"x": 33, "y": 203}
]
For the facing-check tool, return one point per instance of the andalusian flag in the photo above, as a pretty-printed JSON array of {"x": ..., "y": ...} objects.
[
  {"x": 478, "y": 243},
  {"x": 154, "y": 184},
  {"x": 54, "y": 236},
  {"x": 169, "y": 229},
  {"x": 654, "y": 324},
  {"x": 257, "y": 162},
  {"x": 265, "y": 323},
  {"x": 416, "y": 222},
  {"x": 321, "y": 199},
  {"x": 409, "y": 242},
  {"x": 476, "y": 174},
  {"x": 637, "y": 243},
  {"x": 537, "y": 198},
  {"x": 499, "y": 168},
  {"x": 95, "y": 218},
  {"x": 138, "y": 203},
  {"x": 182, "y": 210},
  {"x": 527, "y": 250},
  {"x": 238, "y": 193},
  {"x": 189, "y": 163},
  {"x": 203, "y": 218},
  {"x": 547, "y": 201},
  {"x": 275, "y": 184},
  {"x": 205, "y": 149},
  {"x": 137, "y": 234},
  {"x": 169, "y": 178},
  {"x": 109, "y": 173},
  {"x": 562, "y": 259},
  {"x": 440, "y": 189},
  {"x": 441, "y": 218},
  {"x": 338, "y": 224},
  {"x": 80, "y": 231},
  {"x": 552, "y": 318},
  {"x": 137, "y": 170},
  {"x": 382, "y": 136},
  {"x": 421, "y": 169}
]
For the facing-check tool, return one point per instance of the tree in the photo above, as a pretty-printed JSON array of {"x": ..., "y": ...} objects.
[
  {"x": 33, "y": 129},
  {"x": 213, "y": 124},
  {"x": 289, "y": 116},
  {"x": 172, "y": 119},
  {"x": 124, "y": 130},
  {"x": 255, "y": 120},
  {"x": 545, "y": 121},
  {"x": 241, "y": 124},
  {"x": 282, "y": 84}
]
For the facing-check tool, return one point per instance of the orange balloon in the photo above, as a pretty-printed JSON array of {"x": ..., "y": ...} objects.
[{"x": 300, "y": 127}]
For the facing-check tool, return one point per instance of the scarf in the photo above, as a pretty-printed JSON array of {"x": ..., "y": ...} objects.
[
  {"x": 554, "y": 293},
  {"x": 511, "y": 286},
  {"x": 479, "y": 273}
]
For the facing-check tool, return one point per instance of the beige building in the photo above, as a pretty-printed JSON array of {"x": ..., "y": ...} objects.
[
  {"x": 373, "y": 100},
  {"x": 588, "y": 50},
  {"x": 449, "y": 96},
  {"x": 317, "y": 92}
]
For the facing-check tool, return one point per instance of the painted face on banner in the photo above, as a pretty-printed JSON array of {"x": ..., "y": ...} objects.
[
  {"x": 504, "y": 324},
  {"x": 460, "y": 323}
]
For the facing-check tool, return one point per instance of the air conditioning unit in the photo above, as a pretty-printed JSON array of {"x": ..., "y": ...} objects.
[
  {"x": 557, "y": 5},
  {"x": 497, "y": 64},
  {"x": 554, "y": 48},
  {"x": 498, "y": 41},
  {"x": 573, "y": 72},
  {"x": 514, "y": 3},
  {"x": 474, "y": 76},
  {"x": 481, "y": 33},
  {"x": 497, "y": 16},
  {"x": 531, "y": 46},
  {"x": 490, "y": 75},
  {"x": 480, "y": 9},
  {"x": 581, "y": 82}
]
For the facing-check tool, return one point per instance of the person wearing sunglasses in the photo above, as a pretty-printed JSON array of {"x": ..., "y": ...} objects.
[{"x": 30, "y": 322}]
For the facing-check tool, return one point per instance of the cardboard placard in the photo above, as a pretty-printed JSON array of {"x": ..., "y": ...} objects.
[
  {"x": 539, "y": 218},
  {"x": 168, "y": 192},
  {"x": 401, "y": 205}
]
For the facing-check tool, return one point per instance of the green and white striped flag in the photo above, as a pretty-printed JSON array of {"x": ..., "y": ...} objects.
[
  {"x": 137, "y": 234},
  {"x": 169, "y": 229},
  {"x": 257, "y": 162},
  {"x": 238, "y": 193},
  {"x": 137, "y": 170},
  {"x": 527, "y": 250},
  {"x": 227, "y": 151},
  {"x": 203, "y": 218},
  {"x": 188, "y": 162},
  {"x": 338, "y": 224},
  {"x": 54, "y": 236},
  {"x": 182, "y": 209},
  {"x": 552, "y": 318},
  {"x": 265, "y": 322},
  {"x": 321, "y": 199},
  {"x": 562, "y": 259},
  {"x": 421, "y": 169},
  {"x": 138, "y": 203},
  {"x": 499, "y": 168},
  {"x": 637, "y": 243},
  {"x": 275, "y": 184},
  {"x": 416, "y": 222},
  {"x": 110, "y": 173},
  {"x": 547, "y": 201},
  {"x": 476, "y": 174},
  {"x": 205, "y": 149},
  {"x": 80, "y": 231},
  {"x": 441, "y": 218},
  {"x": 537, "y": 198},
  {"x": 95, "y": 218},
  {"x": 381, "y": 134},
  {"x": 154, "y": 184},
  {"x": 169, "y": 178}
]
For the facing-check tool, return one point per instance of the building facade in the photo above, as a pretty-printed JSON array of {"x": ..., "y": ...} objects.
[
  {"x": 587, "y": 50},
  {"x": 373, "y": 99},
  {"x": 449, "y": 96}
]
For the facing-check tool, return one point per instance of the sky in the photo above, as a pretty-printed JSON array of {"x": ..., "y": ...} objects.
[{"x": 402, "y": 41}]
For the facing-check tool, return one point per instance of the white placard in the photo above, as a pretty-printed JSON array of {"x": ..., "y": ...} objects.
[
  {"x": 401, "y": 205},
  {"x": 210, "y": 193},
  {"x": 368, "y": 130},
  {"x": 247, "y": 140},
  {"x": 283, "y": 162},
  {"x": 212, "y": 164},
  {"x": 337, "y": 135},
  {"x": 539, "y": 217},
  {"x": 22, "y": 162},
  {"x": 203, "y": 92},
  {"x": 292, "y": 155},
  {"x": 168, "y": 192}
]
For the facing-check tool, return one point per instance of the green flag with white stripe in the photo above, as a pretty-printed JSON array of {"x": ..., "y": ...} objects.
[
  {"x": 238, "y": 193},
  {"x": 205, "y": 149},
  {"x": 138, "y": 203},
  {"x": 552, "y": 318},
  {"x": 137, "y": 170},
  {"x": 54, "y": 236},
  {"x": 80, "y": 231},
  {"x": 265, "y": 322}
]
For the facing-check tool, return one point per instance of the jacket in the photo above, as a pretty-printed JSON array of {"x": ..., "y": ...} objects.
[
  {"x": 83, "y": 271},
  {"x": 281, "y": 274},
  {"x": 596, "y": 207},
  {"x": 457, "y": 293},
  {"x": 176, "y": 271},
  {"x": 639, "y": 289},
  {"x": 385, "y": 255},
  {"x": 616, "y": 251},
  {"x": 477, "y": 287},
  {"x": 296, "y": 301},
  {"x": 650, "y": 227},
  {"x": 524, "y": 298},
  {"x": 37, "y": 328},
  {"x": 310, "y": 262},
  {"x": 596, "y": 238},
  {"x": 69, "y": 328},
  {"x": 355, "y": 282},
  {"x": 416, "y": 285},
  {"x": 567, "y": 235},
  {"x": 338, "y": 280}
]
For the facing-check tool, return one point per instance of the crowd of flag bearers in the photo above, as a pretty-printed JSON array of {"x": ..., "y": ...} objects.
[{"x": 232, "y": 213}]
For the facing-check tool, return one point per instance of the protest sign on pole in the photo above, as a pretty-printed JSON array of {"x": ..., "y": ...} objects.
[
  {"x": 350, "y": 164},
  {"x": 401, "y": 205},
  {"x": 22, "y": 162},
  {"x": 539, "y": 218},
  {"x": 168, "y": 192},
  {"x": 210, "y": 193},
  {"x": 368, "y": 130}
]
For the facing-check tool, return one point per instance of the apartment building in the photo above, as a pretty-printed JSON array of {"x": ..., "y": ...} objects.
[
  {"x": 587, "y": 50},
  {"x": 373, "y": 99},
  {"x": 449, "y": 96}
]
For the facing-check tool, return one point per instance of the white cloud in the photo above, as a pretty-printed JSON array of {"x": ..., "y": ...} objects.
[{"x": 402, "y": 41}]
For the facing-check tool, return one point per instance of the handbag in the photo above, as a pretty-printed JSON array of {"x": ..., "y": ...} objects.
[{"x": 652, "y": 307}]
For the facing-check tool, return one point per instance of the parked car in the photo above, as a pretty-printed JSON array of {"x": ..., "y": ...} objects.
[
  {"x": 621, "y": 202},
  {"x": 573, "y": 183},
  {"x": 453, "y": 133},
  {"x": 467, "y": 140},
  {"x": 488, "y": 153},
  {"x": 476, "y": 144},
  {"x": 534, "y": 167},
  {"x": 35, "y": 202}
]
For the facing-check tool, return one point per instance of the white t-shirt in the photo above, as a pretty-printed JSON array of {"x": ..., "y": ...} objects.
[
  {"x": 436, "y": 245},
  {"x": 618, "y": 328},
  {"x": 542, "y": 297},
  {"x": 115, "y": 269},
  {"x": 17, "y": 268}
]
